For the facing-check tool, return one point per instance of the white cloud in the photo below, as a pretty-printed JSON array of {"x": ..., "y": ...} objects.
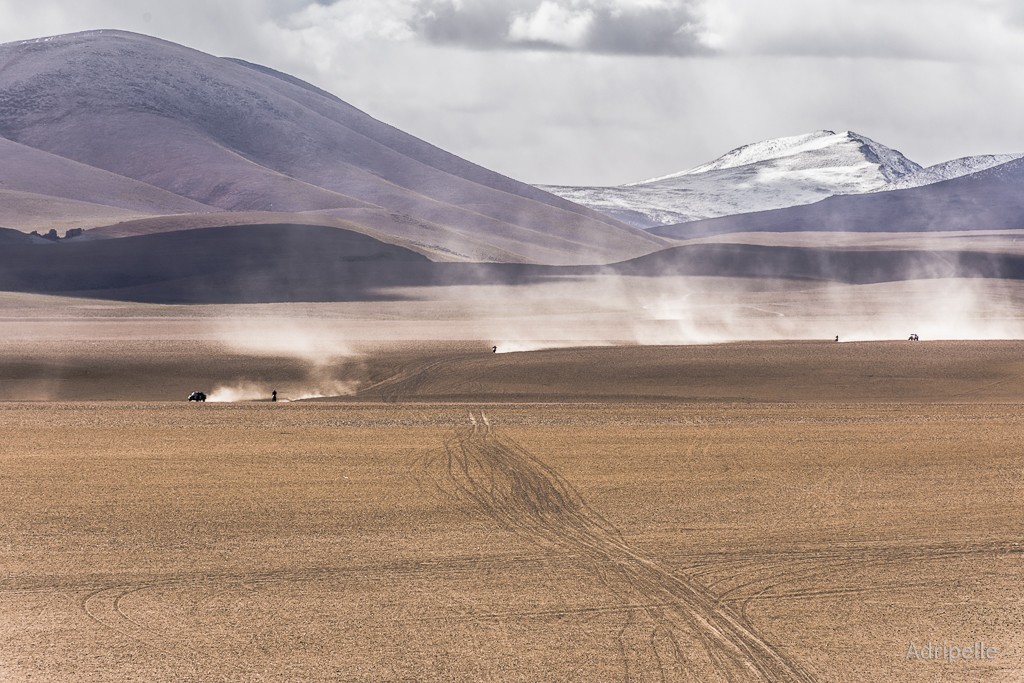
[
  {"x": 943, "y": 30},
  {"x": 631, "y": 27},
  {"x": 553, "y": 24},
  {"x": 356, "y": 20}
]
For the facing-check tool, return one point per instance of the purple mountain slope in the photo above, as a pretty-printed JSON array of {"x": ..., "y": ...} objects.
[
  {"x": 31, "y": 211},
  {"x": 26, "y": 169},
  {"x": 233, "y": 136},
  {"x": 990, "y": 199}
]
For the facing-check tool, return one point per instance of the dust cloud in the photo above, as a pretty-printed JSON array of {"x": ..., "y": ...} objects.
[
  {"x": 252, "y": 391},
  {"x": 331, "y": 340},
  {"x": 244, "y": 391},
  {"x": 708, "y": 310},
  {"x": 320, "y": 348}
]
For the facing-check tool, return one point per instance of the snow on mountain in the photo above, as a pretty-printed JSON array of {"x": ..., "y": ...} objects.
[
  {"x": 816, "y": 151},
  {"x": 143, "y": 125},
  {"x": 957, "y": 168},
  {"x": 983, "y": 200},
  {"x": 772, "y": 174}
]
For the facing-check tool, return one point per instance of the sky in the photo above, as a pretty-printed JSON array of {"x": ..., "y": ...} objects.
[{"x": 604, "y": 92}]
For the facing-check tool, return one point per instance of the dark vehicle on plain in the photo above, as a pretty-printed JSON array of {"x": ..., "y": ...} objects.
[{"x": 197, "y": 396}]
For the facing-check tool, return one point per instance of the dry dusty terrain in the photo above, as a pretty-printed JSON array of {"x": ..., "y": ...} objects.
[
  {"x": 756, "y": 511},
  {"x": 620, "y": 541}
]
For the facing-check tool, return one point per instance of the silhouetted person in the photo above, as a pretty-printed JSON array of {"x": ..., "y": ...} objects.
[
  {"x": 273, "y": 396},
  {"x": 494, "y": 349},
  {"x": 837, "y": 337}
]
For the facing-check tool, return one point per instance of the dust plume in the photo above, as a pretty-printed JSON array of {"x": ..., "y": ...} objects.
[
  {"x": 956, "y": 308},
  {"x": 251, "y": 391},
  {"x": 320, "y": 348},
  {"x": 244, "y": 391},
  {"x": 331, "y": 389},
  {"x": 616, "y": 310},
  {"x": 521, "y": 345}
]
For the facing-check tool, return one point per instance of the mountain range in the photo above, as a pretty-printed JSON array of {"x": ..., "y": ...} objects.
[
  {"x": 988, "y": 200},
  {"x": 199, "y": 178},
  {"x": 772, "y": 174}
]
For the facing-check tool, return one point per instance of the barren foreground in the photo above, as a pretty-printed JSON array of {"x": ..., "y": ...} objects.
[
  {"x": 755, "y": 511},
  {"x": 612, "y": 541}
]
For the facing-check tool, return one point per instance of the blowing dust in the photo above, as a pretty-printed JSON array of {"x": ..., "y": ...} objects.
[
  {"x": 320, "y": 348},
  {"x": 330, "y": 341},
  {"x": 680, "y": 310}
]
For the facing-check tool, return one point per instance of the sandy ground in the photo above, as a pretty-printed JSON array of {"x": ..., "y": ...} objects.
[
  {"x": 751, "y": 511},
  {"x": 960, "y": 372},
  {"x": 435, "y": 344},
  {"x": 156, "y": 541}
]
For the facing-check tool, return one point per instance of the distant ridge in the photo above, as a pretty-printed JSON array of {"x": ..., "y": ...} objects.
[
  {"x": 957, "y": 168},
  {"x": 987, "y": 200},
  {"x": 849, "y": 266},
  {"x": 290, "y": 262}
]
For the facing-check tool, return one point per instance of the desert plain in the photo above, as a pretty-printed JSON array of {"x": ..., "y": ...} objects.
[
  {"x": 578, "y": 506},
  {"x": 515, "y": 438}
]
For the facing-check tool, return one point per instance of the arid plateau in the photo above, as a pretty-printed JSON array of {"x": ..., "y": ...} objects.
[
  {"x": 289, "y": 394},
  {"x": 798, "y": 510}
]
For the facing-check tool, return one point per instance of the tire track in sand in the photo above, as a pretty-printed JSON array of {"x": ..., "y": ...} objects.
[
  {"x": 105, "y": 606},
  {"x": 407, "y": 380},
  {"x": 679, "y": 629}
]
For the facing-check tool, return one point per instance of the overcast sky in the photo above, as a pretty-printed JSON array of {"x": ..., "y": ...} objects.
[{"x": 611, "y": 91}]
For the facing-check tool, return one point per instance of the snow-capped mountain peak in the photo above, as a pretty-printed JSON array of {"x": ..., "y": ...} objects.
[
  {"x": 754, "y": 153},
  {"x": 824, "y": 148},
  {"x": 892, "y": 165},
  {"x": 771, "y": 174}
]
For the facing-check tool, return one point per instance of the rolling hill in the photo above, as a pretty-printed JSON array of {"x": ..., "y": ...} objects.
[
  {"x": 264, "y": 263},
  {"x": 154, "y": 129},
  {"x": 233, "y": 264},
  {"x": 204, "y": 179}
]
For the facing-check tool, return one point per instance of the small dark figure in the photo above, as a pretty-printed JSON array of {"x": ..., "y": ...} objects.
[
  {"x": 914, "y": 337},
  {"x": 837, "y": 337},
  {"x": 197, "y": 396},
  {"x": 273, "y": 396},
  {"x": 494, "y": 349}
]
